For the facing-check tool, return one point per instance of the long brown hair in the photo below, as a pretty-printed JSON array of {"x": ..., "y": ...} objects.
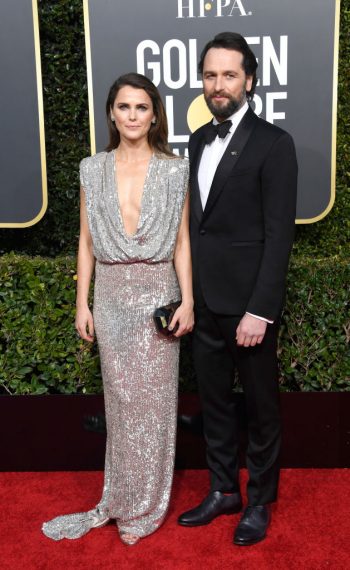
[{"x": 158, "y": 133}]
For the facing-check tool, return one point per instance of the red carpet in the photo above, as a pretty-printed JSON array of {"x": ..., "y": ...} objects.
[{"x": 310, "y": 527}]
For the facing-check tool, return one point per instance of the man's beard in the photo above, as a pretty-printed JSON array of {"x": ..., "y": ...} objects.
[{"x": 224, "y": 111}]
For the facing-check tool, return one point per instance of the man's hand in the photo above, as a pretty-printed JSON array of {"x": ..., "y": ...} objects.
[{"x": 250, "y": 331}]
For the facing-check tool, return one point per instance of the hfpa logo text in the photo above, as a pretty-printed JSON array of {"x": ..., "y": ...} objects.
[{"x": 216, "y": 8}]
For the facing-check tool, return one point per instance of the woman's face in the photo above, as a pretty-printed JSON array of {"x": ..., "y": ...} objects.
[{"x": 133, "y": 113}]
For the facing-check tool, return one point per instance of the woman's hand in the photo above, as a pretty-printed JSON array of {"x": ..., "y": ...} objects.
[
  {"x": 185, "y": 318},
  {"x": 84, "y": 323}
]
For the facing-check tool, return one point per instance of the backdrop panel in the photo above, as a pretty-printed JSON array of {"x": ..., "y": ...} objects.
[
  {"x": 23, "y": 188},
  {"x": 296, "y": 44}
]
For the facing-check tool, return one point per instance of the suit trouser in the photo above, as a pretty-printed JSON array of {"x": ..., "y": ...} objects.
[{"x": 216, "y": 357}]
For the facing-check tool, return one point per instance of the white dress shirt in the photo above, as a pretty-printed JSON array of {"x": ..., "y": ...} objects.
[{"x": 211, "y": 156}]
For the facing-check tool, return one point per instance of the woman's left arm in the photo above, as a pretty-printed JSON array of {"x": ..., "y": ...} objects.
[{"x": 183, "y": 267}]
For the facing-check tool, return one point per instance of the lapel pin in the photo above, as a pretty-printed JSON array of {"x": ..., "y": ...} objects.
[{"x": 234, "y": 153}]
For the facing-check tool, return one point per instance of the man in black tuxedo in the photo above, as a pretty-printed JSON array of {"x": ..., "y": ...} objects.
[{"x": 243, "y": 196}]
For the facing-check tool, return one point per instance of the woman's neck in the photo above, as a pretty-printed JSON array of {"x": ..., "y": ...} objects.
[{"x": 131, "y": 152}]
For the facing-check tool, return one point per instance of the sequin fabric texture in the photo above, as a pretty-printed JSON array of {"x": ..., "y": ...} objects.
[{"x": 133, "y": 275}]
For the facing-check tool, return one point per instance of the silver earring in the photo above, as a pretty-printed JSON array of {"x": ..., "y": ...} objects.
[
  {"x": 153, "y": 121},
  {"x": 112, "y": 119}
]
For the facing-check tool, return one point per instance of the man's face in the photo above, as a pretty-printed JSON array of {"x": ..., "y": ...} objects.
[{"x": 224, "y": 82}]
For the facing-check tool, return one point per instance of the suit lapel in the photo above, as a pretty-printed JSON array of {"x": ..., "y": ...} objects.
[
  {"x": 196, "y": 198},
  {"x": 230, "y": 157}
]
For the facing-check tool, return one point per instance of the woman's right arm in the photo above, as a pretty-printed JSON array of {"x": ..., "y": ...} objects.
[{"x": 86, "y": 262}]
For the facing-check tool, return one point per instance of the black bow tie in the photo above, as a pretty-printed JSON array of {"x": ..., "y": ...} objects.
[{"x": 221, "y": 129}]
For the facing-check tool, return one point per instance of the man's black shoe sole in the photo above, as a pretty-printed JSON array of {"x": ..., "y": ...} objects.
[{"x": 250, "y": 542}]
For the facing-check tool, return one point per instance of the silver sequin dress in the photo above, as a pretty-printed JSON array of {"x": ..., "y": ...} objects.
[{"x": 133, "y": 275}]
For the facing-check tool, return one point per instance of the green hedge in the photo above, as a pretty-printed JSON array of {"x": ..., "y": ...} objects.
[
  {"x": 39, "y": 350},
  {"x": 40, "y": 353}
]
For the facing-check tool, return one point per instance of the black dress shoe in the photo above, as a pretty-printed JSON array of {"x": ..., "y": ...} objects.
[
  {"x": 214, "y": 505},
  {"x": 253, "y": 525}
]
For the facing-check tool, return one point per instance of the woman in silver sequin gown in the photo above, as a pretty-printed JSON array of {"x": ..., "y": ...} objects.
[{"x": 134, "y": 234}]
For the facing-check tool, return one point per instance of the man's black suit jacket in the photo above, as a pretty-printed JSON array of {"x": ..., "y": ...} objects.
[{"x": 242, "y": 241}]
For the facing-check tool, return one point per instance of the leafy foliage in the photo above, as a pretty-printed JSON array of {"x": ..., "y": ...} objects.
[
  {"x": 39, "y": 350},
  {"x": 315, "y": 332},
  {"x": 40, "y": 353}
]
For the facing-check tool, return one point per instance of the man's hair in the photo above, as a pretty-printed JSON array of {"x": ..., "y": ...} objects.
[{"x": 236, "y": 42}]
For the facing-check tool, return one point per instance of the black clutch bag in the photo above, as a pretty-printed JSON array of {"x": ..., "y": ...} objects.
[{"x": 162, "y": 317}]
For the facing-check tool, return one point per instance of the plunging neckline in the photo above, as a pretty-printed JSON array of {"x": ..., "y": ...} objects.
[{"x": 144, "y": 191}]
